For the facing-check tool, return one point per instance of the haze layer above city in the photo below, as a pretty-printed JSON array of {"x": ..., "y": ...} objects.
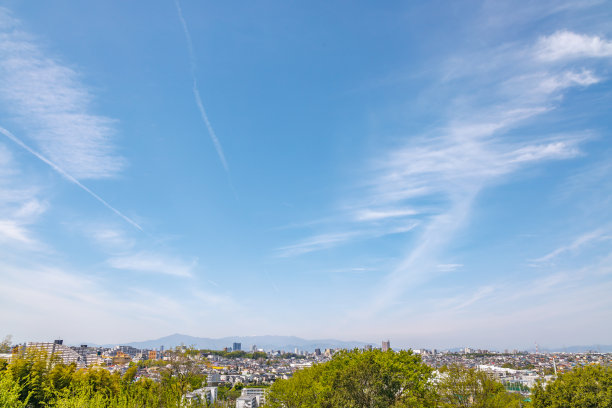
[{"x": 434, "y": 173}]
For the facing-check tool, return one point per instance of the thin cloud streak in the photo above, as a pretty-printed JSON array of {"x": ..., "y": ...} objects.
[
  {"x": 152, "y": 263},
  {"x": 576, "y": 244},
  {"x": 68, "y": 177},
  {"x": 330, "y": 240},
  {"x": 373, "y": 215},
  {"x": 196, "y": 91},
  {"x": 316, "y": 243}
]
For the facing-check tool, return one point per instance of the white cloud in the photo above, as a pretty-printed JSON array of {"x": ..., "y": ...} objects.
[
  {"x": 31, "y": 209},
  {"x": 329, "y": 240},
  {"x": 149, "y": 262},
  {"x": 448, "y": 267},
  {"x": 315, "y": 243},
  {"x": 373, "y": 215},
  {"x": 51, "y": 104},
  {"x": 12, "y": 231},
  {"x": 109, "y": 237},
  {"x": 575, "y": 245},
  {"x": 563, "y": 45},
  {"x": 554, "y": 83},
  {"x": 44, "y": 299},
  {"x": 554, "y": 150},
  {"x": 452, "y": 165},
  {"x": 19, "y": 207}
]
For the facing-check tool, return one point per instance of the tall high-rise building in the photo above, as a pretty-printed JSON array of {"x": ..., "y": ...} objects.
[
  {"x": 386, "y": 345},
  {"x": 236, "y": 347}
]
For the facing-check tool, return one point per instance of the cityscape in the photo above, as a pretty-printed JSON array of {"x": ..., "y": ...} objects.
[{"x": 253, "y": 370}]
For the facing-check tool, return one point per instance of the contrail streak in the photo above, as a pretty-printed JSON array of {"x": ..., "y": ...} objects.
[
  {"x": 196, "y": 92},
  {"x": 68, "y": 176},
  {"x": 211, "y": 131}
]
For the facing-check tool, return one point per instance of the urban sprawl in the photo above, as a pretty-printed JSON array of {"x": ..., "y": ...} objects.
[{"x": 256, "y": 368}]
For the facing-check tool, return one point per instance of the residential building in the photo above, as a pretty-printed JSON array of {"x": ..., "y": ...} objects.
[
  {"x": 58, "y": 350},
  {"x": 208, "y": 394},
  {"x": 258, "y": 393},
  {"x": 246, "y": 402}
]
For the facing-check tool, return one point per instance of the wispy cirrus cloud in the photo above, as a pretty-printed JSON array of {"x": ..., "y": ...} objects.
[
  {"x": 381, "y": 214},
  {"x": 20, "y": 207},
  {"x": 77, "y": 296},
  {"x": 150, "y": 262},
  {"x": 455, "y": 163},
  {"x": 578, "y": 243},
  {"x": 51, "y": 106},
  {"x": 315, "y": 243},
  {"x": 15, "y": 226},
  {"x": 446, "y": 169},
  {"x": 13, "y": 231},
  {"x": 324, "y": 241},
  {"x": 449, "y": 267},
  {"x": 448, "y": 166},
  {"x": 50, "y": 103}
]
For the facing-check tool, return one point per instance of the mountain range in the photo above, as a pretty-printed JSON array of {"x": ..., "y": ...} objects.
[
  {"x": 287, "y": 343},
  {"x": 290, "y": 343}
]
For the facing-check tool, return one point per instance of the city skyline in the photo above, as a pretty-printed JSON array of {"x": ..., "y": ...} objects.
[{"x": 435, "y": 174}]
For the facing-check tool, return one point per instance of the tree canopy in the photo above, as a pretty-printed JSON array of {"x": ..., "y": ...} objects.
[
  {"x": 373, "y": 379},
  {"x": 582, "y": 387},
  {"x": 358, "y": 379}
]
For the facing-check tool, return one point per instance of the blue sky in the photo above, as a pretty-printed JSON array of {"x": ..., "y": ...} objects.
[{"x": 434, "y": 173}]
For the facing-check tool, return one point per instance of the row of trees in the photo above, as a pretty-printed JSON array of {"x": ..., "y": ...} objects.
[
  {"x": 372, "y": 379},
  {"x": 35, "y": 380},
  {"x": 375, "y": 379},
  {"x": 583, "y": 387}
]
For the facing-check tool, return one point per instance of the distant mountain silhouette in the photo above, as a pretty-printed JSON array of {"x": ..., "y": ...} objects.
[
  {"x": 287, "y": 343},
  {"x": 581, "y": 349}
]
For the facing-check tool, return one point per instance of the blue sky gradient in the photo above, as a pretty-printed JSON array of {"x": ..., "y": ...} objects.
[{"x": 434, "y": 173}]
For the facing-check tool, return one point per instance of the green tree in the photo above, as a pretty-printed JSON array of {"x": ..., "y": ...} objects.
[
  {"x": 358, "y": 378},
  {"x": 10, "y": 392},
  {"x": 5, "y": 345},
  {"x": 583, "y": 387},
  {"x": 304, "y": 389},
  {"x": 30, "y": 373},
  {"x": 462, "y": 387},
  {"x": 181, "y": 375},
  {"x": 129, "y": 375}
]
